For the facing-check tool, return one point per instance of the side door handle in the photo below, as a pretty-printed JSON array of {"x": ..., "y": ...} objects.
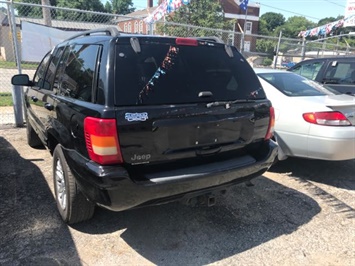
[
  {"x": 48, "y": 106},
  {"x": 34, "y": 98}
]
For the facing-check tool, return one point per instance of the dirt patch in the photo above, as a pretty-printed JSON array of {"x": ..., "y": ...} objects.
[{"x": 301, "y": 212}]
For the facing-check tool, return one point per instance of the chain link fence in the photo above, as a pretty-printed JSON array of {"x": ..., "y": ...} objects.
[{"x": 259, "y": 50}]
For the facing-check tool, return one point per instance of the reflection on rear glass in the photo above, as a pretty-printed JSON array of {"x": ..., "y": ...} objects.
[{"x": 166, "y": 66}]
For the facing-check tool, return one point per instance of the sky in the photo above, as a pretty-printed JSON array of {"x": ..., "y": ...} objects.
[{"x": 313, "y": 10}]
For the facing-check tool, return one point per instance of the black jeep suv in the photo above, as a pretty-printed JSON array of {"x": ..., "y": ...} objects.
[{"x": 137, "y": 120}]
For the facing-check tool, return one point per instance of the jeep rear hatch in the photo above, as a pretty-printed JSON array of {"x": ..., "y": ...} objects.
[{"x": 178, "y": 98}]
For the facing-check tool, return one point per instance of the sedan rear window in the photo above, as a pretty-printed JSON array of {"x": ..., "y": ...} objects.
[
  {"x": 296, "y": 85},
  {"x": 162, "y": 73}
]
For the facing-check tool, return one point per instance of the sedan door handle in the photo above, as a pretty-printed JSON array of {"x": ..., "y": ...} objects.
[
  {"x": 48, "y": 106},
  {"x": 34, "y": 98}
]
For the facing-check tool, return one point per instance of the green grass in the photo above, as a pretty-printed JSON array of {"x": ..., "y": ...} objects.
[
  {"x": 7, "y": 64},
  {"x": 5, "y": 99}
]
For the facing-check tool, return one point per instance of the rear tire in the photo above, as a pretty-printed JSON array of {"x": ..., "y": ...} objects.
[
  {"x": 32, "y": 138},
  {"x": 72, "y": 204}
]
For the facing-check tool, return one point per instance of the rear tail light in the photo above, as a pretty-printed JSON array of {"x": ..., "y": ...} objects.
[
  {"x": 327, "y": 119},
  {"x": 186, "y": 41},
  {"x": 102, "y": 140},
  {"x": 270, "y": 130}
]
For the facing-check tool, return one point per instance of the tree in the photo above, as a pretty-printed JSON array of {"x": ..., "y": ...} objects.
[
  {"x": 270, "y": 21},
  {"x": 327, "y": 20},
  {"x": 108, "y": 7},
  {"x": 294, "y": 25},
  {"x": 30, "y": 11},
  {"x": 90, "y": 5},
  {"x": 122, "y": 7},
  {"x": 202, "y": 13}
]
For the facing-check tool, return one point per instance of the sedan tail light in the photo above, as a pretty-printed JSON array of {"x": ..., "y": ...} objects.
[
  {"x": 327, "y": 118},
  {"x": 102, "y": 140},
  {"x": 270, "y": 130}
]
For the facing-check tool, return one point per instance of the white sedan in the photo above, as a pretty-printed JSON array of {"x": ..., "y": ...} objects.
[{"x": 312, "y": 121}]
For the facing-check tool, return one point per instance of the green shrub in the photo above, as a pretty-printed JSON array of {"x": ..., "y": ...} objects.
[{"x": 267, "y": 62}]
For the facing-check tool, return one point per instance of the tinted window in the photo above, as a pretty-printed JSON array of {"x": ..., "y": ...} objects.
[
  {"x": 78, "y": 77},
  {"x": 340, "y": 73},
  {"x": 52, "y": 68},
  {"x": 41, "y": 71},
  {"x": 308, "y": 70},
  {"x": 168, "y": 74},
  {"x": 295, "y": 85}
]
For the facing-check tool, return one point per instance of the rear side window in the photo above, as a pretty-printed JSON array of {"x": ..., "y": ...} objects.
[
  {"x": 78, "y": 77},
  {"x": 341, "y": 73},
  {"x": 308, "y": 70},
  {"x": 170, "y": 74}
]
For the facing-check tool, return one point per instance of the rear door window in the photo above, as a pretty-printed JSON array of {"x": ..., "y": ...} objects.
[
  {"x": 169, "y": 74},
  {"x": 39, "y": 77}
]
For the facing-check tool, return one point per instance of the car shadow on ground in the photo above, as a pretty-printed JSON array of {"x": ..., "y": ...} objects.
[
  {"x": 175, "y": 234},
  {"x": 307, "y": 172},
  {"x": 29, "y": 222},
  {"x": 334, "y": 173}
]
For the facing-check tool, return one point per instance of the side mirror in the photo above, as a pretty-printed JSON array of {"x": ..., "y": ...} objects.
[{"x": 21, "y": 80}]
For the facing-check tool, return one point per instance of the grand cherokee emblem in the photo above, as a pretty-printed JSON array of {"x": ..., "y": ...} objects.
[{"x": 136, "y": 116}]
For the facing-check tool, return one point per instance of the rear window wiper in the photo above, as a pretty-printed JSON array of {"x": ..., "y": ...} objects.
[{"x": 228, "y": 104}]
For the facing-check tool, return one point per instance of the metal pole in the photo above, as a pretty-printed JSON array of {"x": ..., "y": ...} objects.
[
  {"x": 243, "y": 35},
  {"x": 277, "y": 49},
  {"x": 16, "y": 90},
  {"x": 46, "y": 13},
  {"x": 303, "y": 51},
  {"x": 233, "y": 34}
]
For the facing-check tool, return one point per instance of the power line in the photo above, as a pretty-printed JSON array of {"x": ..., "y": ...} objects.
[
  {"x": 288, "y": 11},
  {"x": 334, "y": 3}
]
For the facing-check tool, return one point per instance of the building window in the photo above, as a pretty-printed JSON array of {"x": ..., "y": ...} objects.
[
  {"x": 246, "y": 46},
  {"x": 141, "y": 26},
  {"x": 129, "y": 27},
  {"x": 125, "y": 27},
  {"x": 147, "y": 29},
  {"x": 136, "y": 26},
  {"x": 248, "y": 27}
]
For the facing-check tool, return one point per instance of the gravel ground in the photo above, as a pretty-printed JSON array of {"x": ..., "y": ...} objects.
[{"x": 301, "y": 212}]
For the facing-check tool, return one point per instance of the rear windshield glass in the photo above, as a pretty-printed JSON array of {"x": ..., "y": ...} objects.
[
  {"x": 170, "y": 74},
  {"x": 296, "y": 85}
]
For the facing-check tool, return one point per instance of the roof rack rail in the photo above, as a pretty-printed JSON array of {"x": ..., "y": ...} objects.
[
  {"x": 210, "y": 39},
  {"x": 111, "y": 31}
]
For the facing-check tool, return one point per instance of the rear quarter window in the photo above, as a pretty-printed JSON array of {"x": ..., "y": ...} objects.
[{"x": 308, "y": 70}]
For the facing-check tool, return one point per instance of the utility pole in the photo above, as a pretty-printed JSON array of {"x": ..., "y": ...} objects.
[{"x": 46, "y": 13}]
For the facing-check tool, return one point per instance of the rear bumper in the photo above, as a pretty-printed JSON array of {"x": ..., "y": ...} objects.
[
  {"x": 331, "y": 143},
  {"x": 112, "y": 188}
]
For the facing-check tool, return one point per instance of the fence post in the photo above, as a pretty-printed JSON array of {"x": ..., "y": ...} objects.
[
  {"x": 278, "y": 49},
  {"x": 46, "y": 13},
  {"x": 303, "y": 50},
  {"x": 16, "y": 90}
]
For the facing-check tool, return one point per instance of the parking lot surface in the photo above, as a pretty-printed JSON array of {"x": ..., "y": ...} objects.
[{"x": 301, "y": 212}]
